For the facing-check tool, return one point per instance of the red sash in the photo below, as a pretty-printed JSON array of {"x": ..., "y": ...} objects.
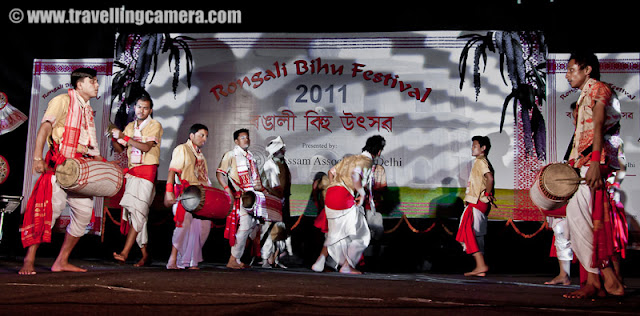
[
  {"x": 233, "y": 219},
  {"x": 36, "y": 224},
  {"x": 465, "y": 233},
  {"x": 602, "y": 228}
]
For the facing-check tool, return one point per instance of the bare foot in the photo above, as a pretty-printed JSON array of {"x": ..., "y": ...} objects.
[
  {"x": 560, "y": 279},
  {"x": 66, "y": 267},
  {"x": 145, "y": 261},
  {"x": 120, "y": 257},
  {"x": 172, "y": 266},
  {"x": 234, "y": 264},
  {"x": 27, "y": 268},
  {"x": 194, "y": 268},
  {"x": 614, "y": 287},
  {"x": 586, "y": 292},
  {"x": 349, "y": 270},
  {"x": 477, "y": 272}
]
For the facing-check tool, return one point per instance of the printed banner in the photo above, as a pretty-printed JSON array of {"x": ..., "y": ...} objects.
[
  {"x": 51, "y": 78},
  {"x": 325, "y": 94},
  {"x": 622, "y": 72}
]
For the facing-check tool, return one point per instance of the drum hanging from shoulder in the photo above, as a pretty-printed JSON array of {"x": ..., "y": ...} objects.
[
  {"x": 206, "y": 202},
  {"x": 273, "y": 207},
  {"x": 89, "y": 177},
  {"x": 555, "y": 184}
]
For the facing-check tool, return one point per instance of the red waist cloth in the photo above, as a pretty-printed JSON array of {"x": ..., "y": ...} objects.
[
  {"x": 465, "y": 233},
  {"x": 321, "y": 221},
  {"x": 38, "y": 215},
  {"x": 601, "y": 216},
  {"x": 339, "y": 198}
]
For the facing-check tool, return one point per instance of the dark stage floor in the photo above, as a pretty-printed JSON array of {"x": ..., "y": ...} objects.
[{"x": 113, "y": 289}]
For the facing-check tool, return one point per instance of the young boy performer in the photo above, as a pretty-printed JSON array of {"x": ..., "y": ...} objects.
[{"x": 478, "y": 198}]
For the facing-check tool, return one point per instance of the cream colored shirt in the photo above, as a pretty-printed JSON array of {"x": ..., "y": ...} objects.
[
  {"x": 190, "y": 169},
  {"x": 150, "y": 132},
  {"x": 56, "y": 114},
  {"x": 477, "y": 182}
]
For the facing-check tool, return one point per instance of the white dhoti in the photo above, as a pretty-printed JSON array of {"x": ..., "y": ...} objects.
[
  {"x": 81, "y": 207},
  {"x": 270, "y": 246},
  {"x": 189, "y": 240},
  {"x": 561, "y": 238},
  {"x": 580, "y": 225},
  {"x": 246, "y": 226},
  {"x": 138, "y": 196},
  {"x": 348, "y": 235}
]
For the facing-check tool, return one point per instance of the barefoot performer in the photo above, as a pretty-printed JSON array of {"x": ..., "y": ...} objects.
[
  {"x": 189, "y": 166},
  {"x": 141, "y": 138},
  {"x": 348, "y": 232},
  {"x": 238, "y": 173},
  {"x": 68, "y": 127},
  {"x": 478, "y": 198},
  {"x": 589, "y": 212}
]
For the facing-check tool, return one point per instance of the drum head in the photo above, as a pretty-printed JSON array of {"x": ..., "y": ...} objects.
[
  {"x": 67, "y": 173},
  {"x": 191, "y": 198},
  {"x": 560, "y": 180}
]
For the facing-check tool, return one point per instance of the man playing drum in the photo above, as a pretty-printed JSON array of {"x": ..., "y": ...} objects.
[
  {"x": 589, "y": 210},
  {"x": 478, "y": 198},
  {"x": 238, "y": 173},
  {"x": 277, "y": 182},
  {"x": 348, "y": 232},
  {"x": 142, "y": 141},
  {"x": 69, "y": 129},
  {"x": 189, "y": 167}
]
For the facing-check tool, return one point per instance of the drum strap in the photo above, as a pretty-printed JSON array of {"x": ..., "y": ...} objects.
[{"x": 267, "y": 234}]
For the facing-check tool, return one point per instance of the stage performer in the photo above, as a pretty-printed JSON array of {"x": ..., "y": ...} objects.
[
  {"x": 318, "y": 194},
  {"x": 561, "y": 245},
  {"x": 348, "y": 232},
  {"x": 276, "y": 179},
  {"x": 619, "y": 217},
  {"x": 142, "y": 141},
  {"x": 68, "y": 126},
  {"x": 478, "y": 199},
  {"x": 238, "y": 173},
  {"x": 589, "y": 213},
  {"x": 188, "y": 166}
]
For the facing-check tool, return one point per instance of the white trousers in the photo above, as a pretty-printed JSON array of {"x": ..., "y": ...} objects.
[{"x": 81, "y": 208}]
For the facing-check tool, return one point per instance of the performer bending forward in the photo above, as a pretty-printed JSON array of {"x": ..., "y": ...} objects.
[
  {"x": 142, "y": 139},
  {"x": 189, "y": 165},
  {"x": 68, "y": 127},
  {"x": 478, "y": 198},
  {"x": 348, "y": 233}
]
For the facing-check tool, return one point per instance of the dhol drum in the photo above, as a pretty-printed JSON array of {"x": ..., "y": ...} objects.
[
  {"x": 273, "y": 208},
  {"x": 205, "y": 202},
  {"x": 89, "y": 177},
  {"x": 555, "y": 184},
  {"x": 270, "y": 205}
]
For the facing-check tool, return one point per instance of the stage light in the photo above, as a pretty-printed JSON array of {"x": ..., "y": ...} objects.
[{"x": 8, "y": 204}]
